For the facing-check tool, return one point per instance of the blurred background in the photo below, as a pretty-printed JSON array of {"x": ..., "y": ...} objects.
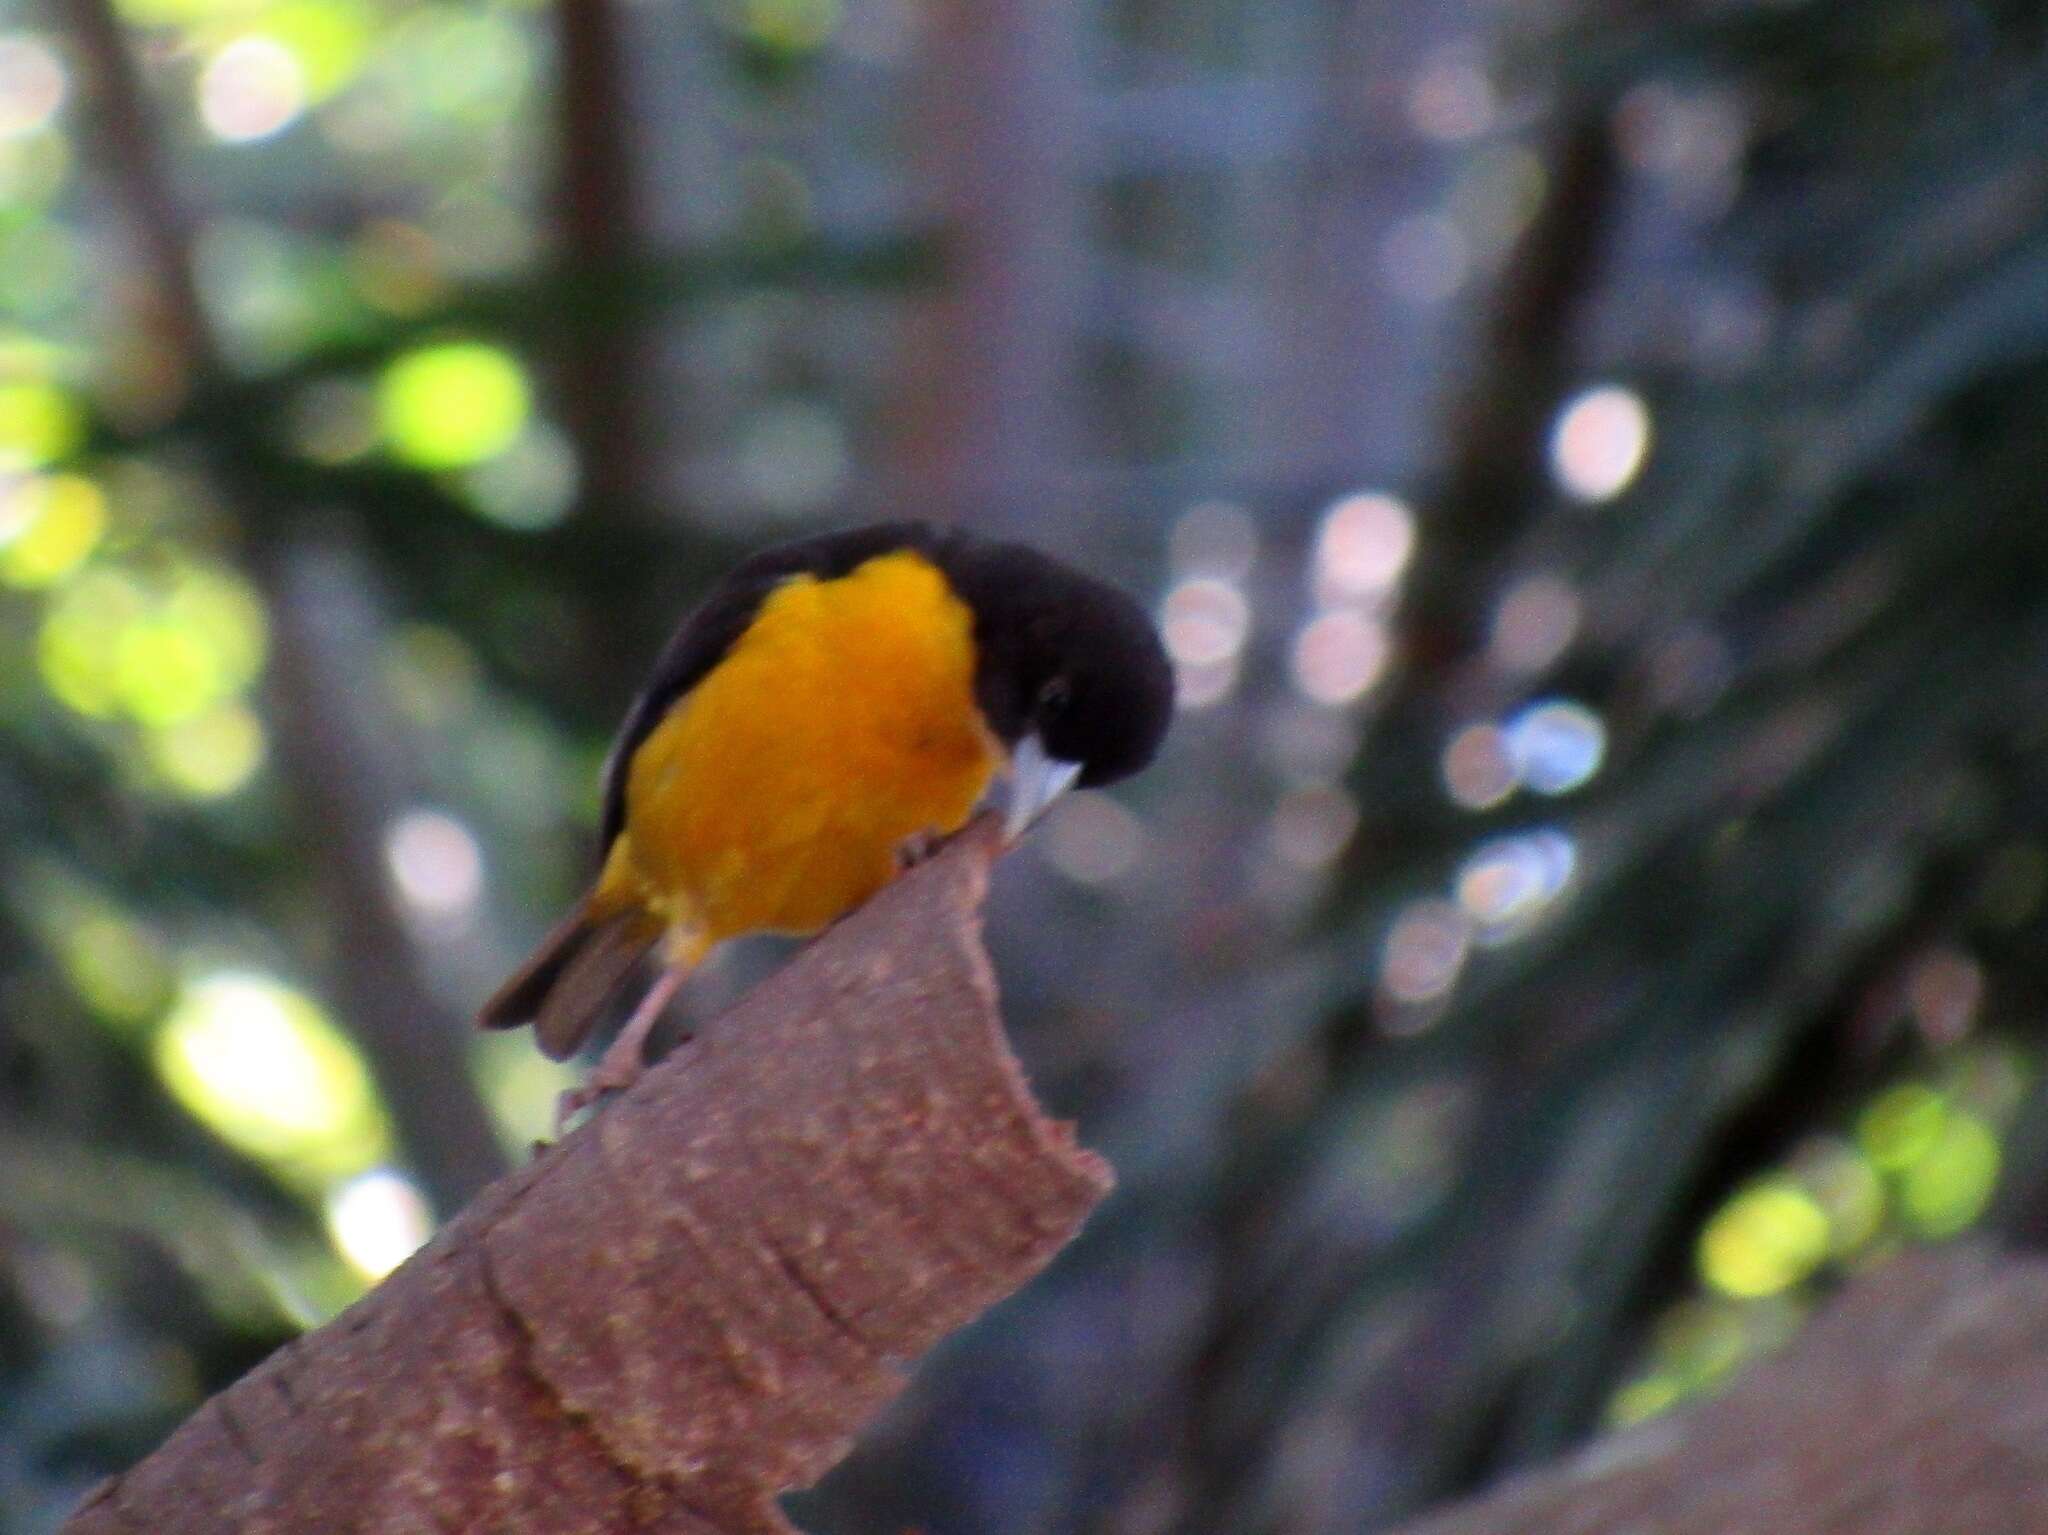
[{"x": 1589, "y": 464}]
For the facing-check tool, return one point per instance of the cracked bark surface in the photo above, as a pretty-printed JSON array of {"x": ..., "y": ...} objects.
[
  {"x": 691, "y": 1304},
  {"x": 1916, "y": 1404}
]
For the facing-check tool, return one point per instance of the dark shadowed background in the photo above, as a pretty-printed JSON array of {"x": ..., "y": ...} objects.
[{"x": 1590, "y": 466}]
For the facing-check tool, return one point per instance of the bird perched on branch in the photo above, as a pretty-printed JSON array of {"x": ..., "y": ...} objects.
[{"x": 832, "y": 707}]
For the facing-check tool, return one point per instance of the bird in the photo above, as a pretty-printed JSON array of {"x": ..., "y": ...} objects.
[{"x": 830, "y": 711}]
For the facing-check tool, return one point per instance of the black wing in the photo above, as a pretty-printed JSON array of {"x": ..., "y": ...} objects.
[{"x": 715, "y": 626}]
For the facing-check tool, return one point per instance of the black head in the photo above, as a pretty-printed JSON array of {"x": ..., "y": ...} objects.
[{"x": 1064, "y": 657}]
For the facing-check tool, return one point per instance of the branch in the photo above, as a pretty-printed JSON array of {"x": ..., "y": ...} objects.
[
  {"x": 1918, "y": 1402},
  {"x": 689, "y": 1305}
]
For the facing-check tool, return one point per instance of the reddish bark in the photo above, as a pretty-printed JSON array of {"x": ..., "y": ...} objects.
[
  {"x": 691, "y": 1304},
  {"x": 1917, "y": 1403}
]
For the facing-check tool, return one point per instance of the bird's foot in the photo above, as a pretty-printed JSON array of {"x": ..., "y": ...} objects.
[
  {"x": 917, "y": 848},
  {"x": 621, "y": 1064},
  {"x": 612, "y": 1074}
]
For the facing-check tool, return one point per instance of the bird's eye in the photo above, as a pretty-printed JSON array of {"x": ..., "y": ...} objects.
[{"x": 1054, "y": 697}]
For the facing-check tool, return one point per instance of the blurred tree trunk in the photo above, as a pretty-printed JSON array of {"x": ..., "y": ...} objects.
[
  {"x": 982, "y": 413},
  {"x": 339, "y": 746},
  {"x": 602, "y": 376}
]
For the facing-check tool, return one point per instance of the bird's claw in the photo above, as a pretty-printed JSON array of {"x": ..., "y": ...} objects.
[
  {"x": 604, "y": 1080},
  {"x": 916, "y": 848}
]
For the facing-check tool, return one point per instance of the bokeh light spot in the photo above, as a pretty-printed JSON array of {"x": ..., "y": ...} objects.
[
  {"x": 1451, "y": 99},
  {"x": 377, "y": 1221},
  {"x": 48, "y": 525},
  {"x": 1902, "y": 1125},
  {"x": 1340, "y": 654},
  {"x": 1204, "y": 685},
  {"x": 1497, "y": 192},
  {"x": 1556, "y": 745},
  {"x": 435, "y": 863},
  {"x": 32, "y": 86},
  {"x": 1691, "y": 140},
  {"x": 1600, "y": 442},
  {"x": 329, "y": 39},
  {"x": 251, "y": 89},
  {"x": 1950, "y": 1184},
  {"x": 1479, "y": 771},
  {"x": 531, "y": 485},
  {"x": 39, "y": 424},
  {"x": 163, "y": 672},
  {"x": 1847, "y": 1187},
  {"x": 110, "y": 645},
  {"x": 115, "y": 964},
  {"x": 210, "y": 755},
  {"x": 1534, "y": 624},
  {"x": 77, "y": 646},
  {"x": 224, "y": 613},
  {"x": 466, "y": 64},
  {"x": 1092, "y": 839},
  {"x": 1204, "y": 621},
  {"x": 261, "y": 1065},
  {"x": 1425, "y": 950},
  {"x": 1364, "y": 545},
  {"x": 1509, "y": 882},
  {"x": 452, "y": 405},
  {"x": 1766, "y": 1239}
]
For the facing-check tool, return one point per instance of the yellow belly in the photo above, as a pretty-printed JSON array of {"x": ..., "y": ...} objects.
[{"x": 776, "y": 794}]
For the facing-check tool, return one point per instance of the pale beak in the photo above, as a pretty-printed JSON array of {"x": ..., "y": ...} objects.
[{"x": 1036, "y": 780}]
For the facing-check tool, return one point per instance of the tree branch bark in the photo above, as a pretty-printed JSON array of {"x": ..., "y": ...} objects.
[
  {"x": 691, "y": 1304},
  {"x": 1918, "y": 1402}
]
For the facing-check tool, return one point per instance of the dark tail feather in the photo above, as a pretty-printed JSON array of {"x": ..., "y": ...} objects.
[{"x": 564, "y": 985}]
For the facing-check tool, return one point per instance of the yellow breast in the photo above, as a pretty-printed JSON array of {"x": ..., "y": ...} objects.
[{"x": 776, "y": 793}]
